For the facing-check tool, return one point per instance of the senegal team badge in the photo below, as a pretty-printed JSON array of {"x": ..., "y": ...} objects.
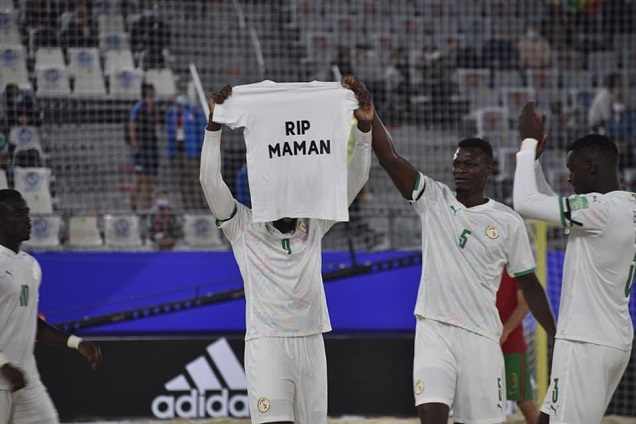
[
  {"x": 264, "y": 405},
  {"x": 419, "y": 387},
  {"x": 492, "y": 232}
]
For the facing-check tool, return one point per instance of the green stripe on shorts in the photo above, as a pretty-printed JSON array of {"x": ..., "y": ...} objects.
[{"x": 518, "y": 381}]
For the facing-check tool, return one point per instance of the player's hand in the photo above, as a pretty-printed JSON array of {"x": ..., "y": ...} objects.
[
  {"x": 365, "y": 111},
  {"x": 504, "y": 337},
  {"x": 92, "y": 352},
  {"x": 218, "y": 97},
  {"x": 532, "y": 125},
  {"x": 14, "y": 375}
]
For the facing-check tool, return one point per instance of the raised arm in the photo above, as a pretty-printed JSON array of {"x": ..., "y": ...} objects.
[
  {"x": 401, "y": 172},
  {"x": 360, "y": 162},
  {"x": 531, "y": 195},
  {"x": 217, "y": 193}
]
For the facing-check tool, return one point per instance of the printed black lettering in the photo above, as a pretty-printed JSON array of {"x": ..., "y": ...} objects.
[
  {"x": 289, "y": 128},
  {"x": 300, "y": 148},
  {"x": 274, "y": 150},
  {"x": 325, "y": 147},
  {"x": 287, "y": 149}
]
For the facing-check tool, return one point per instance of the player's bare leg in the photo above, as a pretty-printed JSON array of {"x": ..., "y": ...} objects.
[
  {"x": 433, "y": 413},
  {"x": 529, "y": 410},
  {"x": 543, "y": 418}
]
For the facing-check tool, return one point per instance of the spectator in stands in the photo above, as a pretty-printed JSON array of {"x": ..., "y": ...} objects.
[
  {"x": 459, "y": 55},
  {"x": 40, "y": 22},
  {"x": 150, "y": 36},
  {"x": 81, "y": 30},
  {"x": 185, "y": 125},
  {"x": 16, "y": 103},
  {"x": 601, "y": 107},
  {"x": 498, "y": 52},
  {"x": 142, "y": 128},
  {"x": 533, "y": 50},
  {"x": 513, "y": 308},
  {"x": 436, "y": 79},
  {"x": 621, "y": 127},
  {"x": 366, "y": 65},
  {"x": 164, "y": 228}
]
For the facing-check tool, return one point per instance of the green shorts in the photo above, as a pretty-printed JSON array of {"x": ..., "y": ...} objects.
[{"x": 518, "y": 378}]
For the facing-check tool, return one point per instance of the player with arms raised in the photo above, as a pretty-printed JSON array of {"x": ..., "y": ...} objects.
[
  {"x": 280, "y": 263},
  {"x": 467, "y": 239},
  {"x": 595, "y": 333}
]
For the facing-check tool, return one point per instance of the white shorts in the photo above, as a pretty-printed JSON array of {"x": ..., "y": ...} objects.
[
  {"x": 460, "y": 369},
  {"x": 287, "y": 379},
  {"x": 31, "y": 405},
  {"x": 583, "y": 379}
]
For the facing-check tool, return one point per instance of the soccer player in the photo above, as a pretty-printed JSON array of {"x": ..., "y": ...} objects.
[
  {"x": 23, "y": 397},
  {"x": 513, "y": 308},
  {"x": 594, "y": 333},
  {"x": 280, "y": 263},
  {"x": 467, "y": 239}
]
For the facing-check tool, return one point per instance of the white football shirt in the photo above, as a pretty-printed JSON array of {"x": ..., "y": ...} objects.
[
  {"x": 20, "y": 277},
  {"x": 284, "y": 291},
  {"x": 464, "y": 251},
  {"x": 600, "y": 255},
  {"x": 296, "y": 137}
]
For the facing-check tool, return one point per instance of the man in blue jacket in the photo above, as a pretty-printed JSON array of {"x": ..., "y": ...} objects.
[{"x": 185, "y": 125}]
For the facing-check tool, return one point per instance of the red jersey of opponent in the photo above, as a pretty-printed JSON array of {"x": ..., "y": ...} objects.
[{"x": 506, "y": 304}]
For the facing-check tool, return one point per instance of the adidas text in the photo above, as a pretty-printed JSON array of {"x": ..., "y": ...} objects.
[{"x": 201, "y": 405}]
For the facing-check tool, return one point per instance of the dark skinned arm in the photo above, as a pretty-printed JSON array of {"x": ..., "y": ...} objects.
[
  {"x": 401, "y": 172},
  {"x": 538, "y": 302},
  {"x": 52, "y": 336}
]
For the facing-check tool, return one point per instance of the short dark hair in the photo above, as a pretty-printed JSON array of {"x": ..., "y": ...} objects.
[
  {"x": 478, "y": 143},
  {"x": 596, "y": 145},
  {"x": 8, "y": 194},
  {"x": 145, "y": 89}
]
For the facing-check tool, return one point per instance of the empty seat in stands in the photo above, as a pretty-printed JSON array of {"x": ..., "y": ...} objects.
[
  {"x": 35, "y": 186},
  {"x": 86, "y": 70},
  {"x": 162, "y": 80},
  {"x": 46, "y": 57},
  {"x": 13, "y": 66},
  {"x": 83, "y": 232},
  {"x": 122, "y": 231},
  {"x": 125, "y": 83},
  {"x": 200, "y": 231},
  {"x": 52, "y": 81},
  {"x": 45, "y": 231}
]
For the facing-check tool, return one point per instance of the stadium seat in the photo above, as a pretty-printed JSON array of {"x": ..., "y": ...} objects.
[
  {"x": 45, "y": 231},
  {"x": 507, "y": 78},
  {"x": 110, "y": 22},
  {"x": 47, "y": 57},
  {"x": 24, "y": 139},
  {"x": 34, "y": 185},
  {"x": 52, "y": 81},
  {"x": 162, "y": 80},
  {"x": 4, "y": 183},
  {"x": 602, "y": 61},
  {"x": 125, "y": 83},
  {"x": 118, "y": 58},
  {"x": 86, "y": 70},
  {"x": 9, "y": 33},
  {"x": 83, "y": 232},
  {"x": 114, "y": 40},
  {"x": 573, "y": 78},
  {"x": 13, "y": 67},
  {"x": 200, "y": 231},
  {"x": 409, "y": 30},
  {"x": 514, "y": 98},
  {"x": 122, "y": 231},
  {"x": 568, "y": 59},
  {"x": 581, "y": 98}
]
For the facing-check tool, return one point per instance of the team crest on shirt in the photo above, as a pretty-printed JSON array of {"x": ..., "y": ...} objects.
[
  {"x": 419, "y": 387},
  {"x": 492, "y": 232},
  {"x": 264, "y": 404},
  {"x": 302, "y": 227}
]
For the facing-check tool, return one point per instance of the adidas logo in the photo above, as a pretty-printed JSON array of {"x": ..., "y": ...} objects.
[{"x": 203, "y": 393}]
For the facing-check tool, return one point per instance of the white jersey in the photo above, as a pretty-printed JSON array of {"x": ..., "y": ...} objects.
[
  {"x": 600, "y": 255},
  {"x": 296, "y": 136},
  {"x": 598, "y": 269},
  {"x": 464, "y": 251},
  {"x": 20, "y": 277},
  {"x": 282, "y": 276}
]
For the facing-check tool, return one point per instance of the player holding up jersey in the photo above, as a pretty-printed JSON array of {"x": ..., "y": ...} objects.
[
  {"x": 280, "y": 263},
  {"x": 23, "y": 397},
  {"x": 594, "y": 333},
  {"x": 467, "y": 239}
]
